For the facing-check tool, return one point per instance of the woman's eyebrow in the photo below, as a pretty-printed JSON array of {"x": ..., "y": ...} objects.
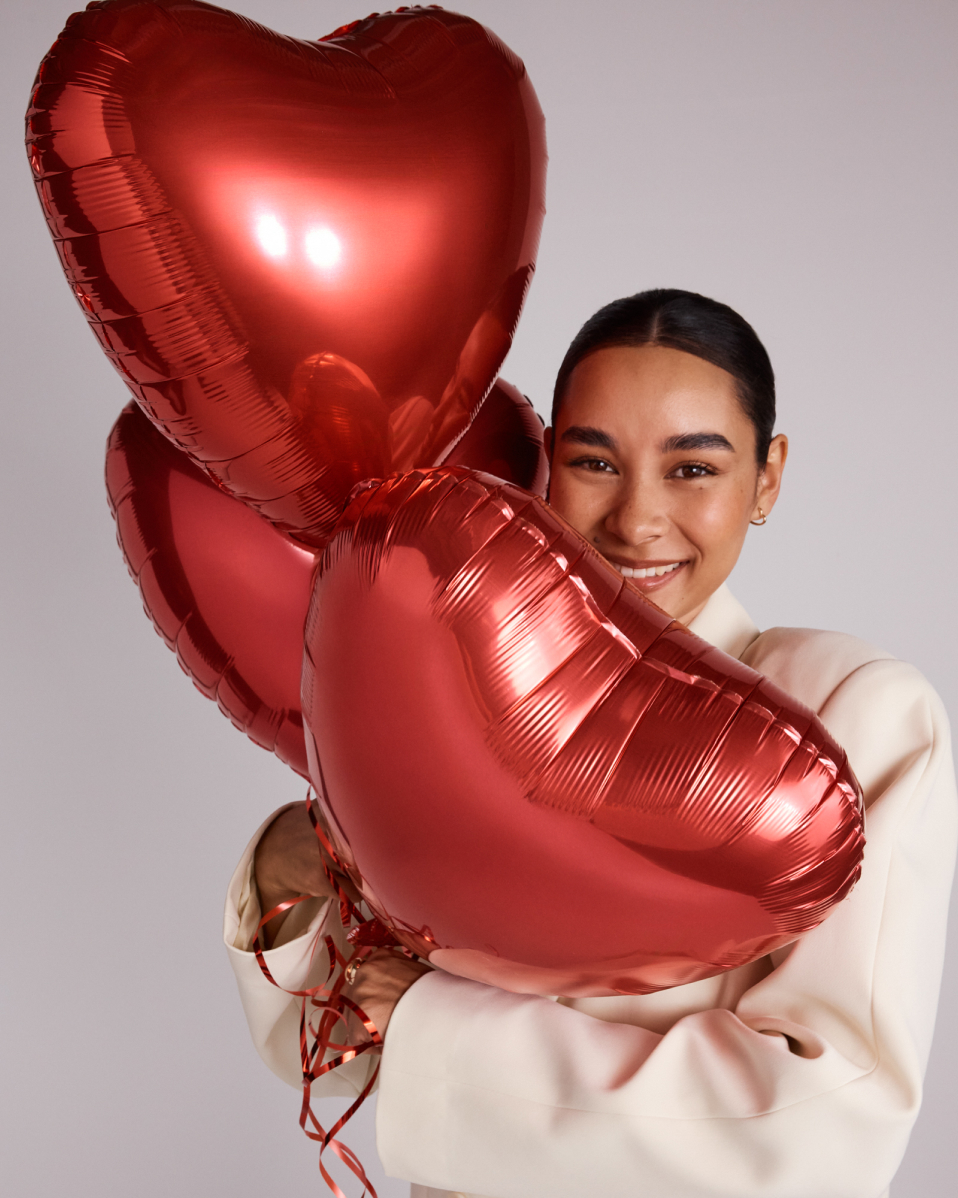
[
  {"x": 584, "y": 434},
  {"x": 687, "y": 442}
]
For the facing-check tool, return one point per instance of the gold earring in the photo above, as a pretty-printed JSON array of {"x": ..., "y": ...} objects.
[{"x": 762, "y": 520}]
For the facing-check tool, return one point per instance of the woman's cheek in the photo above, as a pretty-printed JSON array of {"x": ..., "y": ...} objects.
[
  {"x": 708, "y": 518},
  {"x": 585, "y": 507},
  {"x": 716, "y": 524}
]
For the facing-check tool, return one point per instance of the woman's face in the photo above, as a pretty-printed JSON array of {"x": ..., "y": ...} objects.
[{"x": 653, "y": 461}]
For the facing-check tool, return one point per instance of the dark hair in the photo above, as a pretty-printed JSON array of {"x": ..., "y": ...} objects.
[{"x": 692, "y": 323}]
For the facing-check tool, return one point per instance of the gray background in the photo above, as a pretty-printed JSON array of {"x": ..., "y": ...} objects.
[{"x": 795, "y": 159}]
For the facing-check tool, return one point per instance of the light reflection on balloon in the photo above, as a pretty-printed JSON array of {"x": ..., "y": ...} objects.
[
  {"x": 374, "y": 237},
  {"x": 271, "y": 236},
  {"x": 323, "y": 247}
]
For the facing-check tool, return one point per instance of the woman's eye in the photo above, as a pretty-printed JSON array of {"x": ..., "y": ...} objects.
[
  {"x": 593, "y": 465},
  {"x": 692, "y": 470}
]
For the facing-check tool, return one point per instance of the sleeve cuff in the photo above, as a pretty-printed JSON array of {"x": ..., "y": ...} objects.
[{"x": 297, "y": 961}]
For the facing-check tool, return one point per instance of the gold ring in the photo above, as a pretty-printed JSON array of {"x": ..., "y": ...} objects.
[{"x": 351, "y": 970}]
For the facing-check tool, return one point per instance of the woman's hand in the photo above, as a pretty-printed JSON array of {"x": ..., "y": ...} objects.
[
  {"x": 288, "y": 862},
  {"x": 381, "y": 981}
]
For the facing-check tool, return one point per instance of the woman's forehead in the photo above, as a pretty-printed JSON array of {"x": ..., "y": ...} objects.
[{"x": 629, "y": 391}]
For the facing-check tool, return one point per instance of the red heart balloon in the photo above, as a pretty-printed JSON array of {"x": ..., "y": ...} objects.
[
  {"x": 306, "y": 259},
  {"x": 540, "y": 780},
  {"x": 505, "y": 439},
  {"x": 227, "y": 591}
]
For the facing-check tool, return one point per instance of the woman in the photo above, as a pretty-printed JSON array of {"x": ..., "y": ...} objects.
[{"x": 798, "y": 1075}]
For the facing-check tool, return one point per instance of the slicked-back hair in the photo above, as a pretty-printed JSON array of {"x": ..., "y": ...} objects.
[{"x": 694, "y": 324}]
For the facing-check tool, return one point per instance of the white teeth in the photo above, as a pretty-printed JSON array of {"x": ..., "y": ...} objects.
[{"x": 650, "y": 572}]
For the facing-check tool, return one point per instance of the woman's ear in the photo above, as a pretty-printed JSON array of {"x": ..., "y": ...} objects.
[{"x": 770, "y": 476}]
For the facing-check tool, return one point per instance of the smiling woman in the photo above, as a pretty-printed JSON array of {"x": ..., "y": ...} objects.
[
  {"x": 663, "y": 454},
  {"x": 678, "y": 394}
]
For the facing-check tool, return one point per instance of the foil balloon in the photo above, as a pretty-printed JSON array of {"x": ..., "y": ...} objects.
[
  {"x": 505, "y": 439},
  {"x": 227, "y": 591},
  {"x": 537, "y": 778},
  {"x": 306, "y": 259}
]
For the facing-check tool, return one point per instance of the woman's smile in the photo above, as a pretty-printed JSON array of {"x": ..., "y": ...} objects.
[{"x": 648, "y": 575}]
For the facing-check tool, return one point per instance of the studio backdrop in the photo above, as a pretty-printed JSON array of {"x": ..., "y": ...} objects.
[{"x": 795, "y": 160}]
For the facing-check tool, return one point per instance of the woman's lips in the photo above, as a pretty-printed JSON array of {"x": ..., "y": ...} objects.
[{"x": 650, "y": 576}]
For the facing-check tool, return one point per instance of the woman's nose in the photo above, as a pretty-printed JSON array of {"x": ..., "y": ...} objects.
[{"x": 639, "y": 514}]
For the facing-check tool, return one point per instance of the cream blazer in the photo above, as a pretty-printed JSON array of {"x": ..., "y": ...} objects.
[{"x": 798, "y": 1076}]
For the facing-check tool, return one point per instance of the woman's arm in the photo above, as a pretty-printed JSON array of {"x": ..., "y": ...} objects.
[
  {"x": 809, "y": 1087},
  {"x": 283, "y": 861}
]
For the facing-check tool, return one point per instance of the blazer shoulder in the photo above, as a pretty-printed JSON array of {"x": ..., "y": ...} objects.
[{"x": 810, "y": 663}]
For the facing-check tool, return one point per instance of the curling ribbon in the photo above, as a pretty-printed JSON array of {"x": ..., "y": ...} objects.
[{"x": 366, "y": 935}]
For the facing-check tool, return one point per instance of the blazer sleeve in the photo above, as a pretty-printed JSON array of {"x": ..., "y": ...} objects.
[
  {"x": 297, "y": 961},
  {"x": 810, "y": 1086}
]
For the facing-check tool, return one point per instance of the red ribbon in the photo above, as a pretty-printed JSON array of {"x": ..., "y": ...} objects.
[{"x": 327, "y": 998}]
